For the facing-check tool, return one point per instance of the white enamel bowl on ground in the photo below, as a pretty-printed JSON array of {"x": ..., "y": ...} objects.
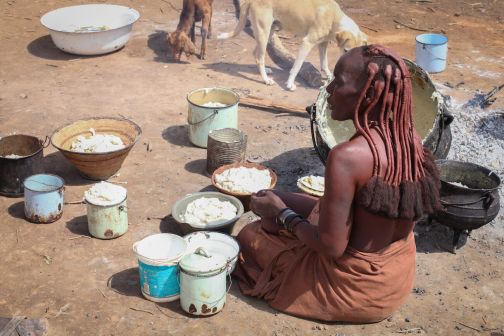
[{"x": 63, "y": 22}]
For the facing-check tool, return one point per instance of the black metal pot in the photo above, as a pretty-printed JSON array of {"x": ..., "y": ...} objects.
[
  {"x": 467, "y": 208},
  {"x": 14, "y": 171}
]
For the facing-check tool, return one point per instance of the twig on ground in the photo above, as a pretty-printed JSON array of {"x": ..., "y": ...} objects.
[
  {"x": 141, "y": 310},
  {"x": 430, "y": 1},
  {"x": 177, "y": 318},
  {"x": 78, "y": 237},
  {"x": 80, "y": 202},
  {"x": 61, "y": 311},
  {"x": 413, "y": 28},
  {"x": 118, "y": 182},
  {"x": 148, "y": 191},
  {"x": 102, "y": 293},
  {"x": 408, "y": 331},
  {"x": 453, "y": 23},
  {"x": 169, "y": 3},
  {"x": 370, "y": 28},
  {"x": 465, "y": 325}
]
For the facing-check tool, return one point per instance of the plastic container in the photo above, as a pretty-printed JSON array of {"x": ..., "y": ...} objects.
[
  {"x": 13, "y": 171},
  {"x": 107, "y": 221},
  {"x": 44, "y": 198},
  {"x": 203, "y": 119},
  {"x": 225, "y": 146},
  {"x": 158, "y": 256},
  {"x": 203, "y": 282},
  {"x": 431, "y": 52},
  {"x": 63, "y": 22},
  {"x": 227, "y": 227}
]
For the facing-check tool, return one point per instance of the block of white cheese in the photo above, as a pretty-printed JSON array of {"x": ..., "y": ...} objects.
[
  {"x": 208, "y": 211},
  {"x": 97, "y": 143},
  {"x": 13, "y": 156},
  {"x": 105, "y": 193},
  {"x": 458, "y": 184},
  {"x": 244, "y": 180}
]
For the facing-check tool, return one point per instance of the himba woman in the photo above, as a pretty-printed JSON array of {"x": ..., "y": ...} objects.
[{"x": 351, "y": 255}]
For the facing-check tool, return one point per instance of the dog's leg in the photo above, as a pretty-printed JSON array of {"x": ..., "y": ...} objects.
[
  {"x": 204, "y": 31},
  {"x": 193, "y": 33},
  {"x": 322, "y": 48},
  {"x": 305, "y": 49},
  {"x": 262, "y": 32}
]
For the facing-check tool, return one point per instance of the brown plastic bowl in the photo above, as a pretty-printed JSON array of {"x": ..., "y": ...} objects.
[
  {"x": 244, "y": 198},
  {"x": 97, "y": 166}
]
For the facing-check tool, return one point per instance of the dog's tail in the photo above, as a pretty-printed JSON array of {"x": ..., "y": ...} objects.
[{"x": 244, "y": 10}]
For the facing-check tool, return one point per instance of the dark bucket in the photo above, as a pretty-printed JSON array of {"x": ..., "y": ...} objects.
[{"x": 13, "y": 171}]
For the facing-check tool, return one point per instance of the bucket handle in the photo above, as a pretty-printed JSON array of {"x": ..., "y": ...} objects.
[
  {"x": 425, "y": 47},
  {"x": 313, "y": 119},
  {"x": 122, "y": 208},
  {"x": 177, "y": 271},
  {"x": 488, "y": 197},
  {"x": 210, "y": 116},
  {"x": 48, "y": 140}
]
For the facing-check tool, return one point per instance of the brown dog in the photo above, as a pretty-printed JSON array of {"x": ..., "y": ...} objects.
[{"x": 192, "y": 11}]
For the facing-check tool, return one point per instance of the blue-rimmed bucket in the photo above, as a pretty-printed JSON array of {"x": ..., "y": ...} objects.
[
  {"x": 158, "y": 257},
  {"x": 43, "y": 198},
  {"x": 431, "y": 52}
]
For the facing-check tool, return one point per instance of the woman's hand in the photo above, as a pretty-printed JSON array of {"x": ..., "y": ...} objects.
[{"x": 266, "y": 204}]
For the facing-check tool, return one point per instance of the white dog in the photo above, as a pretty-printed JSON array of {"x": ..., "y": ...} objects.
[{"x": 319, "y": 21}]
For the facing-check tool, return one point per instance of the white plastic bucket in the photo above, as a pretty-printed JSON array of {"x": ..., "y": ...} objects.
[
  {"x": 203, "y": 119},
  {"x": 431, "y": 52},
  {"x": 158, "y": 256}
]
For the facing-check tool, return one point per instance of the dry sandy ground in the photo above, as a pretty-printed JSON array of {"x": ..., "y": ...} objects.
[{"x": 100, "y": 278}]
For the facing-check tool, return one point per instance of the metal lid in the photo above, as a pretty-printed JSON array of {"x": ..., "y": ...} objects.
[{"x": 203, "y": 261}]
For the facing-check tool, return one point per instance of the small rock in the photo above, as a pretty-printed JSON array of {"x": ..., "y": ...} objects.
[
  {"x": 97, "y": 315},
  {"x": 257, "y": 127},
  {"x": 390, "y": 319},
  {"x": 465, "y": 287},
  {"x": 148, "y": 218},
  {"x": 88, "y": 315},
  {"x": 408, "y": 319}
]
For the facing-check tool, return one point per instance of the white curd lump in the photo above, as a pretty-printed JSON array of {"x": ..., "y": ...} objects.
[
  {"x": 314, "y": 182},
  {"x": 97, "y": 143},
  {"x": 216, "y": 104},
  {"x": 458, "y": 184},
  {"x": 105, "y": 193},
  {"x": 13, "y": 156},
  {"x": 208, "y": 211},
  {"x": 244, "y": 180}
]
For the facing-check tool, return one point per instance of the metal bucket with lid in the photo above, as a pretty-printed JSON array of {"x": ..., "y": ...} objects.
[{"x": 203, "y": 282}]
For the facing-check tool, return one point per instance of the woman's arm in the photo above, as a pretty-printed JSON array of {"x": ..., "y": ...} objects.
[{"x": 332, "y": 234}]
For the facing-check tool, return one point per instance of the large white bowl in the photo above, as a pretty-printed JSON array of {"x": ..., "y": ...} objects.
[{"x": 64, "y": 21}]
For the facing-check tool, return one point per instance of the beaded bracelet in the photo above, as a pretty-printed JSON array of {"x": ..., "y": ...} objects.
[
  {"x": 294, "y": 225},
  {"x": 278, "y": 215}
]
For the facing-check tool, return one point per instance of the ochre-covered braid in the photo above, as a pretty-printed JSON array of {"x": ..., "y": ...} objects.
[{"x": 410, "y": 184}]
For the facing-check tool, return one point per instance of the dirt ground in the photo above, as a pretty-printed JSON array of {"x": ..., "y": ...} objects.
[{"x": 100, "y": 278}]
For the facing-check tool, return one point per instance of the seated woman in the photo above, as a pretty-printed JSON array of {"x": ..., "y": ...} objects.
[{"x": 351, "y": 255}]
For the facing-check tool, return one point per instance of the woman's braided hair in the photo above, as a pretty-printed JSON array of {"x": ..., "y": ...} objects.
[{"x": 410, "y": 186}]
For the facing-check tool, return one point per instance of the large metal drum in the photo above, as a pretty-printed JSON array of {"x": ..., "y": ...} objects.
[{"x": 432, "y": 120}]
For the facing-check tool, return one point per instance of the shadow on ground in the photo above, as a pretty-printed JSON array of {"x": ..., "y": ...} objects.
[
  {"x": 178, "y": 135},
  {"x": 126, "y": 282},
  {"x": 56, "y": 164},
  {"x": 435, "y": 238},
  {"x": 16, "y": 210},
  {"x": 44, "y": 47},
  {"x": 78, "y": 225},
  {"x": 197, "y": 167}
]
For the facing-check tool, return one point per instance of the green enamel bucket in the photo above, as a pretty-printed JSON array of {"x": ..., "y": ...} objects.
[{"x": 204, "y": 117}]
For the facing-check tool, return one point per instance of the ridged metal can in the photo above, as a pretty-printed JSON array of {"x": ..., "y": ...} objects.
[{"x": 225, "y": 146}]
